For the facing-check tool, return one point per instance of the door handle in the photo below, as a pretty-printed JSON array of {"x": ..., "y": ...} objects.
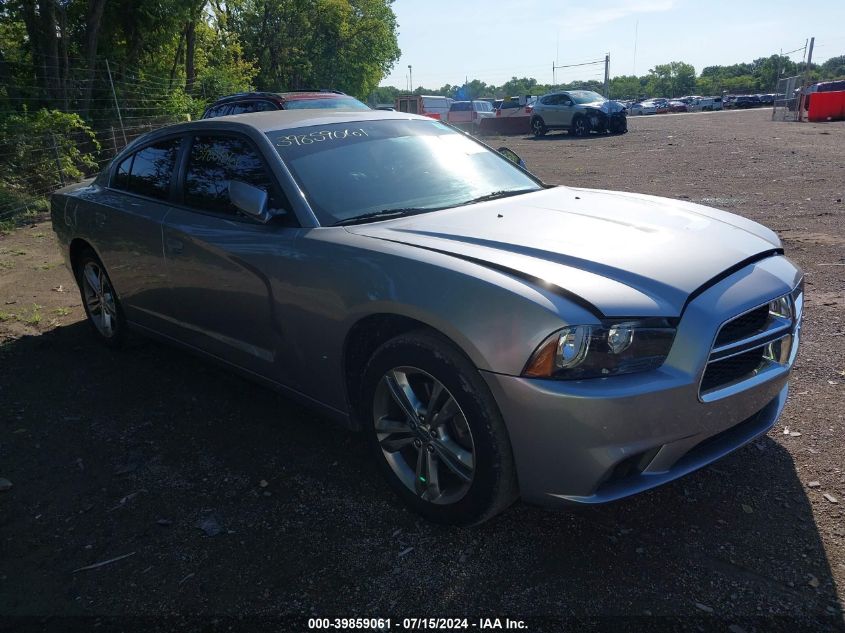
[{"x": 174, "y": 246}]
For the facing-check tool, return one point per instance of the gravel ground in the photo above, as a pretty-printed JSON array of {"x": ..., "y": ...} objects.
[{"x": 232, "y": 501}]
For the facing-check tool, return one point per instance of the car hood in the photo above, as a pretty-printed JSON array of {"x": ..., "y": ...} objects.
[
  {"x": 623, "y": 254},
  {"x": 608, "y": 107}
]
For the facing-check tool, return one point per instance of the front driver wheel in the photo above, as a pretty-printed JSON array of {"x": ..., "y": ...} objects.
[
  {"x": 100, "y": 300},
  {"x": 538, "y": 127},
  {"x": 581, "y": 126},
  {"x": 436, "y": 431}
]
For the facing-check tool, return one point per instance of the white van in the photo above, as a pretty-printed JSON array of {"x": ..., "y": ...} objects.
[{"x": 432, "y": 106}]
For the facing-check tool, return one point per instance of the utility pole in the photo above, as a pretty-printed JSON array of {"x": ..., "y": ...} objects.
[
  {"x": 411, "y": 77},
  {"x": 803, "y": 99},
  {"x": 607, "y": 76},
  {"x": 554, "y": 83}
]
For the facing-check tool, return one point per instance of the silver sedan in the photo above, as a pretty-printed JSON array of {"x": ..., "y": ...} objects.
[{"x": 493, "y": 336}]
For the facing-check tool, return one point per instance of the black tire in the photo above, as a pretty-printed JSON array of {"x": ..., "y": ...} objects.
[
  {"x": 580, "y": 126},
  {"x": 538, "y": 127},
  {"x": 115, "y": 335},
  {"x": 619, "y": 126},
  {"x": 493, "y": 485}
]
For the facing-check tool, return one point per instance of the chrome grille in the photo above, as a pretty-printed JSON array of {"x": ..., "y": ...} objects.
[{"x": 752, "y": 344}]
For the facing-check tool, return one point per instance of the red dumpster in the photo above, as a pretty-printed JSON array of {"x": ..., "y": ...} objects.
[{"x": 827, "y": 106}]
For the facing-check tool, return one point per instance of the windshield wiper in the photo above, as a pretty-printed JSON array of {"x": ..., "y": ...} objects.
[
  {"x": 383, "y": 214},
  {"x": 496, "y": 195}
]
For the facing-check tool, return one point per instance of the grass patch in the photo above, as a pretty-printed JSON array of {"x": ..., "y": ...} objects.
[
  {"x": 61, "y": 311},
  {"x": 7, "y": 316},
  {"x": 33, "y": 317}
]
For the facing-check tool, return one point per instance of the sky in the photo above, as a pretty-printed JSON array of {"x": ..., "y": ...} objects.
[{"x": 446, "y": 41}]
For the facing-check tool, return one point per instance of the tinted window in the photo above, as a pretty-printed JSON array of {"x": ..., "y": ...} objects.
[
  {"x": 121, "y": 177},
  {"x": 221, "y": 110},
  {"x": 214, "y": 161},
  {"x": 460, "y": 106},
  {"x": 150, "y": 171},
  {"x": 326, "y": 103}
]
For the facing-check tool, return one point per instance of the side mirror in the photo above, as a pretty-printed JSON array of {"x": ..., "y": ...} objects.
[
  {"x": 249, "y": 199},
  {"x": 512, "y": 156}
]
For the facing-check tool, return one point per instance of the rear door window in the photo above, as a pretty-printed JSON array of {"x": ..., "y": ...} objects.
[{"x": 148, "y": 172}]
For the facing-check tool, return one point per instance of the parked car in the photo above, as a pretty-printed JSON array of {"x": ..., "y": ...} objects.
[
  {"x": 661, "y": 106},
  {"x": 246, "y": 102},
  {"x": 515, "y": 106},
  {"x": 492, "y": 336},
  {"x": 432, "y": 106},
  {"x": 746, "y": 101},
  {"x": 578, "y": 111},
  {"x": 643, "y": 107},
  {"x": 676, "y": 105},
  {"x": 469, "y": 113},
  {"x": 706, "y": 104}
]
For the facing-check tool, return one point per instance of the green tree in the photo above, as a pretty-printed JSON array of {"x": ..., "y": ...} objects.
[
  {"x": 834, "y": 68},
  {"x": 671, "y": 80},
  {"x": 626, "y": 87}
]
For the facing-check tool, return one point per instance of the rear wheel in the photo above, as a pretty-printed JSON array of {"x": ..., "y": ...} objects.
[
  {"x": 538, "y": 127},
  {"x": 436, "y": 431},
  {"x": 99, "y": 299}
]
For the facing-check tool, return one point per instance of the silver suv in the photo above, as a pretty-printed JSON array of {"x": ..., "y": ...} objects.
[{"x": 580, "y": 112}]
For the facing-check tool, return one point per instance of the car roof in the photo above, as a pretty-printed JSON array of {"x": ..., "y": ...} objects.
[
  {"x": 292, "y": 119},
  {"x": 314, "y": 94},
  {"x": 287, "y": 96}
]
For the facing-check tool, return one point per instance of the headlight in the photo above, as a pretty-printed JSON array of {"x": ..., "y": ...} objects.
[{"x": 594, "y": 351}]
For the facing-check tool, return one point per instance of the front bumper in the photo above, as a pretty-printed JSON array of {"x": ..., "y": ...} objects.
[{"x": 598, "y": 440}]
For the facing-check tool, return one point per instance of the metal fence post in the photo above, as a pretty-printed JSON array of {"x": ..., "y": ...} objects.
[
  {"x": 113, "y": 142},
  {"x": 116, "y": 104},
  {"x": 58, "y": 160}
]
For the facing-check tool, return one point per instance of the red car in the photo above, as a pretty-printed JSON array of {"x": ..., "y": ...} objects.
[{"x": 298, "y": 99}]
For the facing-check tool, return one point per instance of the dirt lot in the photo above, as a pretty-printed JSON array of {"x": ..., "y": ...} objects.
[{"x": 126, "y": 453}]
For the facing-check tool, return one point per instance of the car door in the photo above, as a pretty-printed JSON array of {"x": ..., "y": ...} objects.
[
  {"x": 551, "y": 110},
  {"x": 128, "y": 222},
  {"x": 220, "y": 262},
  {"x": 567, "y": 111}
]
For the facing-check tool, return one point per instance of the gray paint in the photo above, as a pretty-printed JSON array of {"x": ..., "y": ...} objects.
[{"x": 496, "y": 278}]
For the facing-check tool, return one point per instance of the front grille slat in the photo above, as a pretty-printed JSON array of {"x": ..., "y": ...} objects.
[
  {"x": 743, "y": 326},
  {"x": 739, "y": 351},
  {"x": 723, "y": 372}
]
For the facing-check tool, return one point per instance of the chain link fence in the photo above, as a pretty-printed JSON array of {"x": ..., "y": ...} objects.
[{"x": 786, "y": 99}]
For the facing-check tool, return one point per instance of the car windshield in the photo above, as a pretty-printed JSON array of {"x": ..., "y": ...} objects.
[
  {"x": 326, "y": 103},
  {"x": 349, "y": 170},
  {"x": 585, "y": 96}
]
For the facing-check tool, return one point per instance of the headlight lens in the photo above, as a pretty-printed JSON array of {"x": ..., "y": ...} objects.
[
  {"x": 593, "y": 351},
  {"x": 781, "y": 307}
]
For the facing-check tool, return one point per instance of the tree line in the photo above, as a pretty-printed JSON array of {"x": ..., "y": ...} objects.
[
  {"x": 673, "y": 79},
  {"x": 53, "y": 53},
  {"x": 81, "y": 78}
]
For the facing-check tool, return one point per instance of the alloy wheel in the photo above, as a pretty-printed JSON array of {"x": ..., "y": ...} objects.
[
  {"x": 424, "y": 435},
  {"x": 580, "y": 127},
  {"x": 99, "y": 299}
]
